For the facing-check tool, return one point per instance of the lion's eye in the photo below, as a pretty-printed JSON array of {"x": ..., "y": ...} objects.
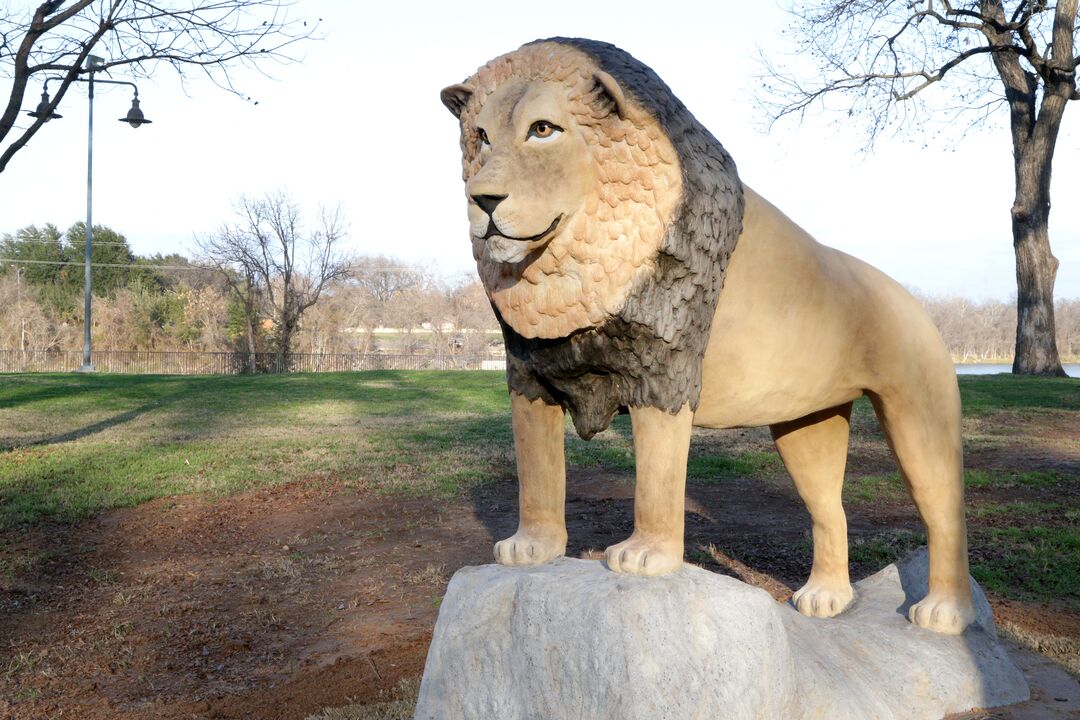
[
  {"x": 543, "y": 130},
  {"x": 483, "y": 137}
]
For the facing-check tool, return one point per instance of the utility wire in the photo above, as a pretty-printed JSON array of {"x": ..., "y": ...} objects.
[
  {"x": 80, "y": 263},
  {"x": 95, "y": 243}
]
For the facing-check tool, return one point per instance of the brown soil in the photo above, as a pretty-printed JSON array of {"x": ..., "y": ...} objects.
[{"x": 281, "y": 602}]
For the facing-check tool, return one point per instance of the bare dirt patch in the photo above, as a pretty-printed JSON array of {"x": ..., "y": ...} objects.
[
  {"x": 282, "y": 602},
  {"x": 271, "y": 604}
]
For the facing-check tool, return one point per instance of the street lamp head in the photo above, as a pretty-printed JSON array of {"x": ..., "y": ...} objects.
[
  {"x": 42, "y": 110},
  {"x": 135, "y": 116}
]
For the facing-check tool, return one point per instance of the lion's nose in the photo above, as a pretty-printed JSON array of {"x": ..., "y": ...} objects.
[{"x": 488, "y": 203}]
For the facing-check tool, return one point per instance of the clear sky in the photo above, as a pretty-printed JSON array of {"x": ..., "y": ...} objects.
[{"x": 359, "y": 123}]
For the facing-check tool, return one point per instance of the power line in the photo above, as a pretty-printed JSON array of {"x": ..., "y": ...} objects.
[
  {"x": 95, "y": 243},
  {"x": 80, "y": 263}
]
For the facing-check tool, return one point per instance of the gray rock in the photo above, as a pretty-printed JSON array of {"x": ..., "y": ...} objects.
[{"x": 573, "y": 640}]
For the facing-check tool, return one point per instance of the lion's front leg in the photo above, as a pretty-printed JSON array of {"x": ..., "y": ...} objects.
[
  {"x": 541, "y": 465},
  {"x": 661, "y": 445}
]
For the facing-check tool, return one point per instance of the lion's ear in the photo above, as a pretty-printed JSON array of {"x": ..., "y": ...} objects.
[
  {"x": 609, "y": 86},
  {"x": 455, "y": 97}
]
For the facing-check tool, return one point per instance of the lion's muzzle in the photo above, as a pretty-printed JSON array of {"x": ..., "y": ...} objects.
[
  {"x": 502, "y": 237},
  {"x": 493, "y": 230}
]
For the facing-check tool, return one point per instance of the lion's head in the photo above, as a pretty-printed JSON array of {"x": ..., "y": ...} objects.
[{"x": 571, "y": 185}]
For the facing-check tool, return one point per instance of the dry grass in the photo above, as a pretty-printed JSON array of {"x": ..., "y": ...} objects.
[
  {"x": 397, "y": 704},
  {"x": 280, "y": 568},
  {"x": 430, "y": 575}
]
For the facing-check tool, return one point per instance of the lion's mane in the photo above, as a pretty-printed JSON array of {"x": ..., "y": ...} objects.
[{"x": 617, "y": 312}]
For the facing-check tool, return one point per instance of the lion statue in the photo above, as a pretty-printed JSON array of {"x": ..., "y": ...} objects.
[{"x": 632, "y": 271}]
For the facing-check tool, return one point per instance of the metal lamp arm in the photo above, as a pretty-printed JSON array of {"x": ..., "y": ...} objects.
[{"x": 133, "y": 86}]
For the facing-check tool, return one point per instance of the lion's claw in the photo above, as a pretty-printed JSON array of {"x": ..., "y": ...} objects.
[
  {"x": 942, "y": 613},
  {"x": 821, "y": 600},
  {"x": 642, "y": 556},
  {"x": 526, "y": 548}
]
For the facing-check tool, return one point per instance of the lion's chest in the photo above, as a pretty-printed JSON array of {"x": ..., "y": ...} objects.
[{"x": 595, "y": 373}]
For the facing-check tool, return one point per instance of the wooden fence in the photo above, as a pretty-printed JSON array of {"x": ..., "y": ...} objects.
[{"x": 229, "y": 363}]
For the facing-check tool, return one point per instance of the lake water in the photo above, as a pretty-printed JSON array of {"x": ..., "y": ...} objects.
[{"x": 1072, "y": 369}]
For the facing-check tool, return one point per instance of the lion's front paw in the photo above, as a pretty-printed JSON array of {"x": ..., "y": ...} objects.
[
  {"x": 526, "y": 547},
  {"x": 943, "y": 613},
  {"x": 823, "y": 600},
  {"x": 640, "y": 555}
]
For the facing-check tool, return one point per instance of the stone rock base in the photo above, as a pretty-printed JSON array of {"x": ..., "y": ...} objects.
[{"x": 572, "y": 640}]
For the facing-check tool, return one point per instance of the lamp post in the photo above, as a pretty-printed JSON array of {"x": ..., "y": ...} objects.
[
  {"x": 18, "y": 308},
  {"x": 134, "y": 118}
]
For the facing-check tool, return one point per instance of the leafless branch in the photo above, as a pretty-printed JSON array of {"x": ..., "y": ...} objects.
[
  {"x": 880, "y": 58},
  {"x": 212, "y": 37}
]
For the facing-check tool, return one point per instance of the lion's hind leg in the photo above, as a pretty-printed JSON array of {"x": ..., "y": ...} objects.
[
  {"x": 923, "y": 429},
  {"x": 814, "y": 450}
]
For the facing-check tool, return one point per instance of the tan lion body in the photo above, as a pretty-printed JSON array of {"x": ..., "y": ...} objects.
[
  {"x": 800, "y": 327},
  {"x": 799, "y": 330}
]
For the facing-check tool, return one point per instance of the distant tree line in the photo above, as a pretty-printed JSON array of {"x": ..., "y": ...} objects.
[
  {"x": 985, "y": 331},
  {"x": 216, "y": 302},
  {"x": 171, "y": 302}
]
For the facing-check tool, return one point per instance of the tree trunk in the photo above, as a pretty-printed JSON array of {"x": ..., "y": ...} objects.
[
  {"x": 1036, "y": 350},
  {"x": 1034, "y": 126},
  {"x": 286, "y": 330},
  {"x": 249, "y": 326},
  {"x": 1036, "y": 269},
  {"x": 250, "y": 331}
]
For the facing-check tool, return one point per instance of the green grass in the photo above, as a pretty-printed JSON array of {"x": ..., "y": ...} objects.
[
  {"x": 879, "y": 550},
  {"x": 982, "y": 394},
  {"x": 1023, "y": 509},
  {"x": 1029, "y": 563},
  {"x": 1015, "y": 478},
  {"x": 73, "y": 445},
  {"x": 1025, "y": 563},
  {"x": 714, "y": 468},
  {"x": 612, "y": 449},
  {"x": 874, "y": 488}
]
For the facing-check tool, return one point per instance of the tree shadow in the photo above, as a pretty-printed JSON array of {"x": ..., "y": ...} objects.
[
  {"x": 93, "y": 428},
  {"x": 49, "y": 390}
]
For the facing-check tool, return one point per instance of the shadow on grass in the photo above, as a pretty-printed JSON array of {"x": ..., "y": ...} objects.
[
  {"x": 91, "y": 429},
  {"x": 223, "y": 434},
  {"x": 200, "y": 404}
]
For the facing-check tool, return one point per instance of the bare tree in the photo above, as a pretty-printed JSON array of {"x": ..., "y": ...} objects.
[
  {"x": 325, "y": 326},
  {"x": 270, "y": 259},
  {"x": 211, "y": 36},
  {"x": 882, "y": 57},
  {"x": 228, "y": 252},
  {"x": 1068, "y": 317},
  {"x": 471, "y": 308},
  {"x": 381, "y": 283},
  {"x": 25, "y": 323},
  {"x": 383, "y": 277}
]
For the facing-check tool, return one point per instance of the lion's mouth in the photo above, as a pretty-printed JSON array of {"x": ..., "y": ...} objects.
[{"x": 493, "y": 230}]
